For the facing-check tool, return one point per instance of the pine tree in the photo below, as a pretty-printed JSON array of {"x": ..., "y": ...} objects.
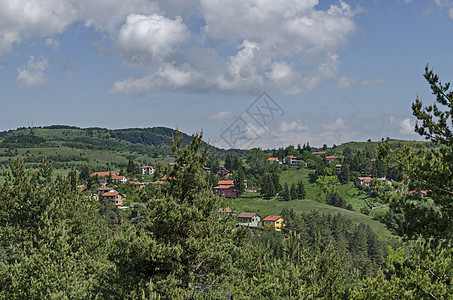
[
  {"x": 429, "y": 169},
  {"x": 131, "y": 167},
  {"x": 182, "y": 242},
  {"x": 293, "y": 191},
  {"x": 286, "y": 193},
  {"x": 301, "y": 192},
  {"x": 53, "y": 245}
]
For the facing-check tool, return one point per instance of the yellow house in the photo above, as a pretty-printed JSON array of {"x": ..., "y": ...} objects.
[{"x": 275, "y": 222}]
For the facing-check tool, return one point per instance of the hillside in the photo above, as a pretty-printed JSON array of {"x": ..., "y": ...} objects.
[
  {"x": 69, "y": 147},
  {"x": 89, "y": 138},
  {"x": 354, "y": 146}
]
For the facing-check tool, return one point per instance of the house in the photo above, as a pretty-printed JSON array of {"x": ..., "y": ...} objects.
[
  {"x": 138, "y": 185},
  {"x": 338, "y": 168},
  {"x": 147, "y": 170},
  {"x": 119, "y": 179},
  {"x": 293, "y": 161},
  {"x": 226, "y": 211},
  {"x": 275, "y": 222},
  {"x": 289, "y": 159},
  {"x": 226, "y": 182},
  {"x": 331, "y": 158},
  {"x": 319, "y": 153},
  {"x": 103, "y": 189},
  {"x": 360, "y": 181},
  {"x": 207, "y": 170},
  {"x": 103, "y": 181},
  {"x": 115, "y": 197},
  {"x": 225, "y": 188},
  {"x": 227, "y": 191},
  {"x": 272, "y": 160},
  {"x": 249, "y": 219},
  {"x": 104, "y": 174}
]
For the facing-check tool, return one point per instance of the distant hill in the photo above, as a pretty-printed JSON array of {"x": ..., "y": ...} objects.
[
  {"x": 89, "y": 138},
  {"x": 363, "y": 145}
]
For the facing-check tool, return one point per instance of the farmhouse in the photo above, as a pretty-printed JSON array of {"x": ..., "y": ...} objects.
[
  {"x": 147, "y": 170},
  {"x": 115, "y": 197},
  {"x": 272, "y": 160},
  {"x": 275, "y": 222},
  {"x": 104, "y": 174},
  {"x": 360, "y": 181},
  {"x": 249, "y": 219}
]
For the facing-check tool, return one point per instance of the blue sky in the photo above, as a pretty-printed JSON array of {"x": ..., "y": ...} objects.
[{"x": 339, "y": 70}]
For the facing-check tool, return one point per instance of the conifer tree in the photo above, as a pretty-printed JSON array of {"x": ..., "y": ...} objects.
[{"x": 429, "y": 169}]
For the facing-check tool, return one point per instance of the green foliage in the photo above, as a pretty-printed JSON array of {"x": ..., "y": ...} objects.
[
  {"x": 22, "y": 141},
  {"x": 427, "y": 273},
  {"x": 131, "y": 167},
  {"x": 239, "y": 178},
  {"x": 52, "y": 244},
  {"x": 181, "y": 242},
  {"x": 428, "y": 169}
]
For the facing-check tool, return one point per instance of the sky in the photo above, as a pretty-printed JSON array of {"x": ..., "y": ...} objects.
[{"x": 248, "y": 73}]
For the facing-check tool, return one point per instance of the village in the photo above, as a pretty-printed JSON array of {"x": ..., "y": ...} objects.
[{"x": 224, "y": 186}]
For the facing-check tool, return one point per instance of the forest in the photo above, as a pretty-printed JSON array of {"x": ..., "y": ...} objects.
[{"x": 56, "y": 245}]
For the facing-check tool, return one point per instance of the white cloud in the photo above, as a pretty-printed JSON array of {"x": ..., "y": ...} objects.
[
  {"x": 167, "y": 77},
  {"x": 339, "y": 124},
  {"x": 22, "y": 19},
  {"x": 292, "y": 126},
  {"x": 288, "y": 45},
  {"x": 221, "y": 115},
  {"x": 51, "y": 42},
  {"x": 373, "y": 81},
  {"x": 446, "y": 4},
  {"x": 405, "y": 126},
  {"x": 345, "y": 82},
  {"x": 267, "y": 34},
  {"x": 151, "y": 36},
  {"x": 32, "y": 74}
]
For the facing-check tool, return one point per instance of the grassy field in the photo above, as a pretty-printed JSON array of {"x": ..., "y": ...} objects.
[
  {"x": 352, "y": 195},
  {"x": 348, "y": 191},
  {"x": 267, "y": 207}
]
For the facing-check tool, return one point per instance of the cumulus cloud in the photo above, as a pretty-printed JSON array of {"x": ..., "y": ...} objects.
[
  {"x": 339, "y": 124},
  {"x": 405, "y": 126},
  {"x": 152, "y": 36},
  {"x": 32, "y": 74},
  {"x": 20, "y": 20},
  {"x": 287, "y": 45},
  {"x": 274, "y": 42},
  {"x": 292, "y": 126},
  {"x": 221, "y": 115}
]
